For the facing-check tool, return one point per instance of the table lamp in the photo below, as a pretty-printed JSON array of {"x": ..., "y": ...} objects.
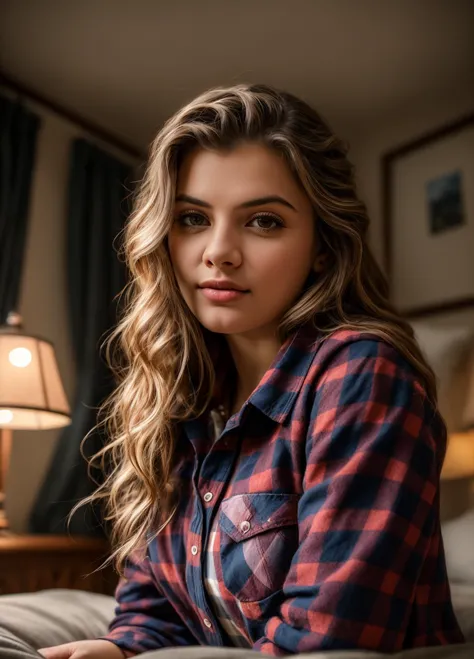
[
  {"x": 459, "y": 460},
  {"x": 32, "y": 395}
]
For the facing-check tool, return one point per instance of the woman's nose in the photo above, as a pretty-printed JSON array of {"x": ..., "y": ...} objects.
[{"x": 222, "y": 248}]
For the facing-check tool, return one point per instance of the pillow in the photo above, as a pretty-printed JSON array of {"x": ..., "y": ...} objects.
[
  {"x": 442, "y": 346},
  {"x": 468, "y": 411},
  {"x": 462, "y": 596},
  {"x": 458, "y": 538},
  {"x": 449, "y": 351}
]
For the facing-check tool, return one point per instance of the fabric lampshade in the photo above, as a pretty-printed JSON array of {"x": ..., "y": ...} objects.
[
  {"x": 32, "y": 395},
  {"x": 459, "y": 459}
]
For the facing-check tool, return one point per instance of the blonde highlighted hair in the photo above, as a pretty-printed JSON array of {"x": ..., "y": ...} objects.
[{"x": 159, "y": 352}]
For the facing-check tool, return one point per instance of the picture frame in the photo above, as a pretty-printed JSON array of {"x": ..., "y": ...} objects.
[{"x": 428, "y": 215}]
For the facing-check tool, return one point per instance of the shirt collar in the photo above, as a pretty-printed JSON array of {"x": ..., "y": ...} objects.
[
  {"x": 282, "y": 382},
  {"x": 279, "y": 388}
]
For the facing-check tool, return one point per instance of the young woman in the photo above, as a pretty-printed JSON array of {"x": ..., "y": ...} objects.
[{"x": 274, "y": 437}]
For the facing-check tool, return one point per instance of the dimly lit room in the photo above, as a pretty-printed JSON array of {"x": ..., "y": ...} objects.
[{"x": 236, "y": 329}]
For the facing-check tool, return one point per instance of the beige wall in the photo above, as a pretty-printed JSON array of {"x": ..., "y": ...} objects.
[
  {"x": 43, "y": 300},
  {"x": 44, "y": 296}
]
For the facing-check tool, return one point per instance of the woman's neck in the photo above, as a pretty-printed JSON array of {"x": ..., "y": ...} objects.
[{"x": 252, "y": 356}]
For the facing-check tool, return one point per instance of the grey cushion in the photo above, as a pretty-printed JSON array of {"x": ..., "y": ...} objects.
[
  {"x": 458, "y": 538},
  {"x": 462, "y": 595},
  {"x": 12, "y": 647},
  {"x": 52, "y": 617}
]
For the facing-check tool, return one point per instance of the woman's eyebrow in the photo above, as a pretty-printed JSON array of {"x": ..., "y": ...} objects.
[{"x": 274, "y": 199}]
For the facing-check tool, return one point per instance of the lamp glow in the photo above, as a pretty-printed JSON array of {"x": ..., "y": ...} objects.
[
  {"x": 20, "y": 357},
  {"x": 6, "y": 416}
]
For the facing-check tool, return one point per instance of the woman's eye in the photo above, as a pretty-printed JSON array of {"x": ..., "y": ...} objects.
[
  {"x": 192, "y": 220},
  {"x": 263, "y": 222},
  {"x": 267, "y": 222}
]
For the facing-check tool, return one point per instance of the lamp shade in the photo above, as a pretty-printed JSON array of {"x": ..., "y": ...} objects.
[
  {"x": 459, "y": 458},
  {"x": 32, "y": 395}
]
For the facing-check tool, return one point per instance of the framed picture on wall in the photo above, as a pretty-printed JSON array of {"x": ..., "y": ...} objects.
[{"x": 428, "y": 205}]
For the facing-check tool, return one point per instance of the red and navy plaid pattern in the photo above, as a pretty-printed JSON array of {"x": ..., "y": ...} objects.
[{"x": 322, "y": 495}]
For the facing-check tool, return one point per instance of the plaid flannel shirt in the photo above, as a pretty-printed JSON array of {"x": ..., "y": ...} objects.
[{"x": 326, "y": 488}]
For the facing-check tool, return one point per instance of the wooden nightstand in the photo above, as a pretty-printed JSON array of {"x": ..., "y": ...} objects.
[{"x": 35, "y": 562}]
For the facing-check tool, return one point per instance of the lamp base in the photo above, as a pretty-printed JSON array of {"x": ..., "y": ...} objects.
[
  {"x": 5, "y": 449},
  {"x": 4, "y": 526},
  {"x": 3, "y": 514}
]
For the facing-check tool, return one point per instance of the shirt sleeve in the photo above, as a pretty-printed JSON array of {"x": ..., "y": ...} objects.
[
  {"x": 368, "y": 509},
  {"x": 144, "y": 618}
]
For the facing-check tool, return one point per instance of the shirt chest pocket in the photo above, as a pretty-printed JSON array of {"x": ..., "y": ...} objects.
[{"x": 258, "y": 538}]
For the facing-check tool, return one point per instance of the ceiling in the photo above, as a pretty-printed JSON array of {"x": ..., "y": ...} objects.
[{"x": 127, "y": 65}]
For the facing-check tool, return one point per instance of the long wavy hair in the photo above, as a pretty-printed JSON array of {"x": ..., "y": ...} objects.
[{"x": 160, "y": 353}]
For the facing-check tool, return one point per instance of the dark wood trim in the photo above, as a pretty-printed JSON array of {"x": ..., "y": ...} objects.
[
  {"x": 387, "y": 217},
  {"x": 387, "y": 161},
  {"x": 431, "y": 136},
  {"x": 58, "y": 543},
  {"x": 94, "y": 129},
  {"x": 445, "y": 307}
]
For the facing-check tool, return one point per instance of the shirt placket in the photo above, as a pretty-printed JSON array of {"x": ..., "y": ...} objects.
[{"x": 209, "y": 482}]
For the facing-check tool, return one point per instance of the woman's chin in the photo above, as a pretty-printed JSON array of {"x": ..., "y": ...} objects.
[
  {"x": 225, "y": 328},
  {"x": 226, "y": 325}
]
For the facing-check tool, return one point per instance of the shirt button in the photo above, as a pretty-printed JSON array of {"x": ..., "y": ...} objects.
[
  {"x": 208, "y": 496},
  {"x": 245, "y": 527},
  {"x": 208, "y": 623},
  {"x": 194, "y": 550}
]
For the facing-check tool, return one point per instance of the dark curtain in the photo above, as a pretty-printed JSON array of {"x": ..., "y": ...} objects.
[
  {"x": 98, "y": 203},
  {"x": 18, "y": 136}
]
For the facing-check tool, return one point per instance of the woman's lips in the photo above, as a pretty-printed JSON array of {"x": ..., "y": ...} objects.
[{"x": 222, "y": 294}]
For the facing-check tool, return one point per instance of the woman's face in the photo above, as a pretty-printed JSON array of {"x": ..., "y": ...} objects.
[{"x": 240, "y": 216}]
